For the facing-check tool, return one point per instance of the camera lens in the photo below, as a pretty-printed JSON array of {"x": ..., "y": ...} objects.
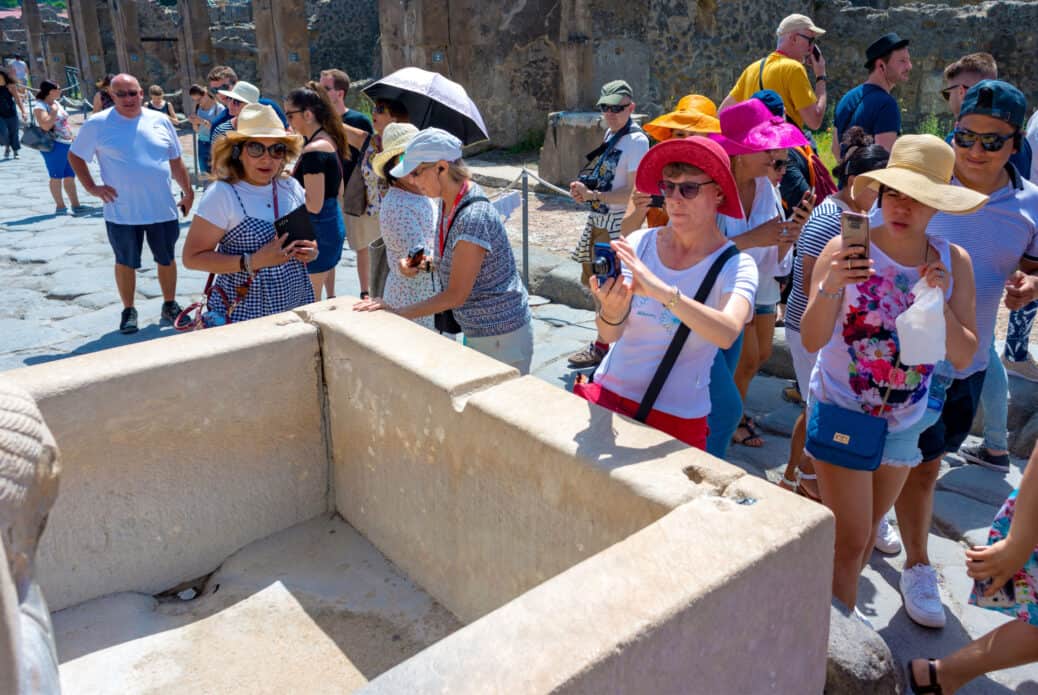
[{"x": 601, "y": 266}]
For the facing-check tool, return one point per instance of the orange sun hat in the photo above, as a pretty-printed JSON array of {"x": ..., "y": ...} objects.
[{"x": 694, "y": 112}]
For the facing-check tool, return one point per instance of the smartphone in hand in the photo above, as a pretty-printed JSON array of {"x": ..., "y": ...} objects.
[
  {"x": 816, "y": 52},
  {"x": 656, "y": 202},
  {"x": 854, "y": 230}
]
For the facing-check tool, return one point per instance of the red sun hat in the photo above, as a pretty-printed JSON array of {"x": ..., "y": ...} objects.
[{"x": 701, "y": 153}]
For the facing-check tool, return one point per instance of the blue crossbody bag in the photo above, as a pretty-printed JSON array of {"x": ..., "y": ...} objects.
[{"x": 847, "y": 438}]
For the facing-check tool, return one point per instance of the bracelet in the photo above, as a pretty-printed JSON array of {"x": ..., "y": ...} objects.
[
  {"x": 247, "y": 262},
  {"x": 241, "y": 263},
  {"x": 618, "y": 323},
  {"x": 821, "y": 78},
  {"x": 829, "y": 295},
  {"x": 673, "y": 300}
]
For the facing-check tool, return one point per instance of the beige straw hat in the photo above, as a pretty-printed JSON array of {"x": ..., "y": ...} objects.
[
  {"x": 921, "y": 167},
  {"x": 260, "y": 121},
  {"x": 395, "y": 139}
]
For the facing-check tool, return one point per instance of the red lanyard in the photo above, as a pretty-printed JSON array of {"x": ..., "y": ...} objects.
[{"x": 450, "y": 220}]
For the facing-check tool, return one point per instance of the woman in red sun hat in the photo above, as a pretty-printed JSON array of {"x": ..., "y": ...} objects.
[{"x": 662, "y": 271}]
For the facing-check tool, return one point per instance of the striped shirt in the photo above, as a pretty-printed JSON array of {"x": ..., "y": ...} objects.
[
  {"x": 996, "y": 237},
  {"x": 822, "y": 226}
]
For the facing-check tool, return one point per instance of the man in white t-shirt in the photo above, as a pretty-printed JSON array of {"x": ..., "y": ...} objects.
[
  {"x": 137, "y": 151},
  {"x": 21, "y": 70},
  {"x": 605, "y": 184}
]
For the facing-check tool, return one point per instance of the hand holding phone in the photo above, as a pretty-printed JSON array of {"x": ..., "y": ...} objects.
[
  {"x": 656, "y": 201},
  {"x": 854, "y": 231}
]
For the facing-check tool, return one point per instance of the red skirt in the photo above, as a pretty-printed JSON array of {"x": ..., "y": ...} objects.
[{"x": 692, "y": 431}]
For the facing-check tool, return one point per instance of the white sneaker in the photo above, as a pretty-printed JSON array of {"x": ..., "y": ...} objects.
[
  {"x": 861, "y": 616},
  {"x": 922, "y": 596},
  {"x": 887, "y": 539}
]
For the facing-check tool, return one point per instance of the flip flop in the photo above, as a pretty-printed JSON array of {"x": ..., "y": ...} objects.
[
  {"x": 933, "y": 688},
  {"x": 747, "y": 424}
]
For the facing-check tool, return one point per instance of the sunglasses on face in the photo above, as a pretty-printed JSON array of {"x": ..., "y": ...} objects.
[
  {"x": 991, "y": 142},
  {"x": 613, "y": 108},
  {"x": 810, "y": 39},
  {"x": 688, "y": 189},
  {"x": 947, "y": 91},
  {"x": 125, "y": 94},
  {"x": 256, "y": 150},
  {"x": 779, "y": 164},
  {"x": 379, "y": 108}
]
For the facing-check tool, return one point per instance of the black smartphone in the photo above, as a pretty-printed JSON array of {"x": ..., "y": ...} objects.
[
  {"x": 415, "y": 256},
  {"x": 656, "y": 202},
  {"x": 816, "y": 51},
  {"x": 296, "y": 226}
]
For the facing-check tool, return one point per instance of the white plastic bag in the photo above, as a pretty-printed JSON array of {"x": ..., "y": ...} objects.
[{"x": 920, "y": 329}]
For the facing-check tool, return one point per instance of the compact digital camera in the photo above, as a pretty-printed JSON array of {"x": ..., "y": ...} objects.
[{"x": 604, "y": 263}]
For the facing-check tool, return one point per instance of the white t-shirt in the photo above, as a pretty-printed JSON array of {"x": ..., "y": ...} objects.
[
  {"x": 633, "y": 147},
  {"x": 220, "y": 206},
  {"x": 767, "y": 204},
  {"x": 1032, "y": 138},
  {"x": 134, "y": 156},
  {"x": 630, "y": 364}
]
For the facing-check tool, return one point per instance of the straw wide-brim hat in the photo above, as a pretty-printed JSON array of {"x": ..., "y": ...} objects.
[
  {"x": 921, "y": 167},
  {"x": 260, "y": 121},
  {"x": 701, "y": 153},
  {"x": 395, "y": 139},
  {"x": 694, "y": 112}
]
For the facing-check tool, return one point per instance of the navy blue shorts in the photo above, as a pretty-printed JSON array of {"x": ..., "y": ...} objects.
[
  {"x": 960, "y": 407},
  {"x": 127, "y": 240}
]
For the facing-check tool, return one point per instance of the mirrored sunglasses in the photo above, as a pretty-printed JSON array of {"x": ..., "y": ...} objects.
[
  {"x": 256, "y": 150},
  {"x": 688, "y": 189},
  {"x": 613, "y": 108},
  {"x": 991, "y": 142}
]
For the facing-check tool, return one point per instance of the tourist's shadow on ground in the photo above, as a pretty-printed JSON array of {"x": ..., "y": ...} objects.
[{"x": 108, "y": 340}]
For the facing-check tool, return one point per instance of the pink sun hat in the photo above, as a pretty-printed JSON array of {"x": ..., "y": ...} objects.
[{"x": 749, "y": 127}]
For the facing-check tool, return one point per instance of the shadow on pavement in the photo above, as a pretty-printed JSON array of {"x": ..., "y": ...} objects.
[{"x": 108, "y": 340}]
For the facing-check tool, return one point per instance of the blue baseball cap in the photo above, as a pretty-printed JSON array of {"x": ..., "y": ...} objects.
[
  {"x": 997, "y": 99},
  {"x": 430, "y": 145},
  {"x": 772, "y": 100}
]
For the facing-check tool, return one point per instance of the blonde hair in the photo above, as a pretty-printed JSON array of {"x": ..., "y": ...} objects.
[
  {"x": 228, "y": 168},
  {"x": 458, "y": 170}
]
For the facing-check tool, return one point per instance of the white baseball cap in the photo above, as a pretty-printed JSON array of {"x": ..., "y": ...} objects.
[{"x": 430, "y": 145}]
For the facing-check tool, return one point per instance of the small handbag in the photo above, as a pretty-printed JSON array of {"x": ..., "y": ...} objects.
[
  {"x": 35, "y": 137},
  {"x": 848, "y": 438},
  {"x": 355, "y": 190},
  {"x": 444, "y": 321}
]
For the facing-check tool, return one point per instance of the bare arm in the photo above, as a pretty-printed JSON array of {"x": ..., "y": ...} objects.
[
  {"x": 833, "y": 271},
  {"x": 886, "y": 140},
  {"x": 637, "y": 211},
  {"x": 813, "y": 114},
  {"x": 960, "y": 312},
  {"x": 97, "y": 102},
  {"x": 465, "y": 265},
  {"x": 203, "y": 236},
  {"x": 728, "y": 101},
  {"x": 44, "y": 118},
  {"x": 183, "y": 179},
  {"x": 313, "y": 185}
]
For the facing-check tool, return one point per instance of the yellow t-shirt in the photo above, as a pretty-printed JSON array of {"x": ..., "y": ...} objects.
[{"x": 782, "y": 74}]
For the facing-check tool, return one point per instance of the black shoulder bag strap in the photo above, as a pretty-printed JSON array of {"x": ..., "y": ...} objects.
[
  {"x": 678, "y": 342},
  {"x": 760, "y": 74},
  {"x": 610, "y": 144}
]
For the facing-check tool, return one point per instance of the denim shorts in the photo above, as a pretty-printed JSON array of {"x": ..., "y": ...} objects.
[
  {"x": 763, "y": 309},
  {"x": 127, "y": 240},
  {"x": 57, "y": 162},
  {"x": 900, "y": 448}
]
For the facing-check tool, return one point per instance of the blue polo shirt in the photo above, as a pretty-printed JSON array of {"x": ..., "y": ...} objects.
[
  {"x": 996, "y": 237},
  {"x": 871, "y": 108}
]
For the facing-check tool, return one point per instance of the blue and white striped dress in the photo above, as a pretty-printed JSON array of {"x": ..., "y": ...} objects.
[{"x": 274, "y": 289}]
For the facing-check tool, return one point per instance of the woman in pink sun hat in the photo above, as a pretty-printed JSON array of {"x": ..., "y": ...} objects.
[{"x": 757, "y": 141}]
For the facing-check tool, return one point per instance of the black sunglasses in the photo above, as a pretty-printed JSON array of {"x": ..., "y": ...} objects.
[
  {"x": 947, "y": 91},
  {"x": 256, "y": 149},
  {"x": 810, "y": 39},
  {"x": 127, "y": 93},
  {"x": 688, "y": 189},
  {"x": 991, "y": 142},
  {"x": 779, "y": 164},
  {"x": 613, "y": 108}
]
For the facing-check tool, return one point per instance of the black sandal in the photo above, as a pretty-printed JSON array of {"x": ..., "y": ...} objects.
[
  {"x": 747, "y": 424},
  {"x": 933, "y": 688}
]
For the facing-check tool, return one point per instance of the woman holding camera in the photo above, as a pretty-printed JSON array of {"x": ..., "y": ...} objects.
[
  {"x": 663, "y": 270},
  {"x": 857, "y": 293},
  {"x": 474, "y": 261},
  {"x": 233, "y": 232},
  {"x": 408, "y": 221}
]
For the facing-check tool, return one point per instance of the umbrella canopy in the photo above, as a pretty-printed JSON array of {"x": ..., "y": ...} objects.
[{"x": 432, "y": 101}]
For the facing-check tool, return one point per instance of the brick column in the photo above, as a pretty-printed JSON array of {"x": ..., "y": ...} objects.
[
  {"x": 38, "y": 69},
  {"x": 196, "y": 46},
  {"x": 576, "y": 58},
  {"x": 86, "y": 37},
  {"x": 127, "y": 33},
  {"x": 283, "y": 41}
]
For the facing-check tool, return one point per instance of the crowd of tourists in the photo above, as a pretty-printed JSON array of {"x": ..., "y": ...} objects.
[{"x": 706, "y": 227}]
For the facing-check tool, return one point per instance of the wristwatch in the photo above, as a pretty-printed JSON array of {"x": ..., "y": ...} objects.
[{"x": 821, "y": 78}]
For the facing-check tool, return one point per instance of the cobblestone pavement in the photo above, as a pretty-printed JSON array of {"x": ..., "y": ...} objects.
[{"x": 59, "y": 300}]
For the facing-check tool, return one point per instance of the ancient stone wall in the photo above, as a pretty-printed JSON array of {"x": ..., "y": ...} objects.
[
  {"x": 344, "y": 34},
  {"x": 516, "y": 65}
]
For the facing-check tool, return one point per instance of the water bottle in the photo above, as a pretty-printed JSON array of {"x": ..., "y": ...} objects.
[{"x": 942, "y": 376}]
